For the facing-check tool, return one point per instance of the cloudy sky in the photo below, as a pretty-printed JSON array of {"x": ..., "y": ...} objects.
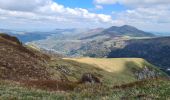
[{"x": 149, "y": 15}]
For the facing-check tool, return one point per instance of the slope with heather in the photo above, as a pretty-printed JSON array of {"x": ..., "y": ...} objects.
[
  {"x": 19, "y": 62},
  {"x": 153, "y": 89}
]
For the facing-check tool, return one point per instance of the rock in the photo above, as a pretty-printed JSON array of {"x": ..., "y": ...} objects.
[
  {"x": 146, "y": 73},
  {"x": 90, "y": 78}
]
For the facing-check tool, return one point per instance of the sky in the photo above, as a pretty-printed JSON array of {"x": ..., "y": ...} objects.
[{"x": 148, "y": 15}]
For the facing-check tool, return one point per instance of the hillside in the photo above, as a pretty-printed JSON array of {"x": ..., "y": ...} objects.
[
  {"x": 27, "y": 63},
  {"x": 100, "y": 47},
  {"x": 114, "y": 65},
  {"x": 27, "y": 73},
  {"x": 19, "y": 62},
  {"x": 154, "y": 50},
  {"x": 121, "y": 69}
]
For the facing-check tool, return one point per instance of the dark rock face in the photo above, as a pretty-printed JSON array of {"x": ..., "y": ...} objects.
[{"x": 90, "y": 78}]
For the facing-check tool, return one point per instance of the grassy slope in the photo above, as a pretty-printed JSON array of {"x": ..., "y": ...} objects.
[
  {"x": 115, "y": 70},
  {"x": 158, "y": 89},
  {"x": 77, "y": 69},
  {"x": 10, "y": 90},
  {"x": 114, "y": 65},
  {"x": 103, "y": 68}
]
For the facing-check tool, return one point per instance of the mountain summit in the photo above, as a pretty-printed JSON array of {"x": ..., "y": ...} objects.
[
  {"x": 126, "y": 30},
  {"x": 119, "y": 31}
]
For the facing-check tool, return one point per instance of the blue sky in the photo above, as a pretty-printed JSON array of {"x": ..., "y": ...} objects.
[
  {"x": 76, "y": 3},
  {"x": 90, "y": 5},
  {"x": 149, "y": 15}
]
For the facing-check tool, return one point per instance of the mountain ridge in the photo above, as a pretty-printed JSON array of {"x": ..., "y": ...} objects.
[{"x": 126, "y": 30}]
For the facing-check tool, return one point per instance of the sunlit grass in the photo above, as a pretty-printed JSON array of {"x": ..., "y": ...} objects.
[{"x": 111, "y": 65}]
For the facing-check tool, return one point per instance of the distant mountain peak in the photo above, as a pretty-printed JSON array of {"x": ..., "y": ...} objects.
[
  {"x": 126, "y": 30},
  {"x": 128, "y": 26},
  {"x": 122, "y": 27}
]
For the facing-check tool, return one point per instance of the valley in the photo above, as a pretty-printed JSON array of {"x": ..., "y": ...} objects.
[
  {"x": 85, "y": 42},
  {"x": 111, "y": 42}
]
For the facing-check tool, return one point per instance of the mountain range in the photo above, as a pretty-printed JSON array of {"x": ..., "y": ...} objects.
[
  {"x": 125, "y": 30},
  {"x": 101, "y": 42},
  {"x": 69, "y": 41}
]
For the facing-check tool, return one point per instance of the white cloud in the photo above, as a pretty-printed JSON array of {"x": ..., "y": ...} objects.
[
  {"x": 22, "y": 5},
  {"x": 147, "y": 14},
  {"x": 47, "y": 10},
  {"x": 152, "y": 19},
  {"x": 105, "y": 1},
  {"x": 98, "y": 7},
  {"x": 150, "y": 15},
  {"x": 134, "y": 2}
]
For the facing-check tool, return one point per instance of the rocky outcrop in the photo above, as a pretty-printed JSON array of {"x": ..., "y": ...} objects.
[
  {"x": 90, "y": 78},
  {"x": 146, "y": 73}
]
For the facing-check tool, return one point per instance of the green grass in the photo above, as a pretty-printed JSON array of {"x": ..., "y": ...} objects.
[
  {"x": 13, "y": 91},
  {"x": 146, "y": 90},
  {"x": 156, "y": 89}
]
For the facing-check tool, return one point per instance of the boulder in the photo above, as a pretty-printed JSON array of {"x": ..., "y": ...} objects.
[{"x": 89, "y": 78}]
